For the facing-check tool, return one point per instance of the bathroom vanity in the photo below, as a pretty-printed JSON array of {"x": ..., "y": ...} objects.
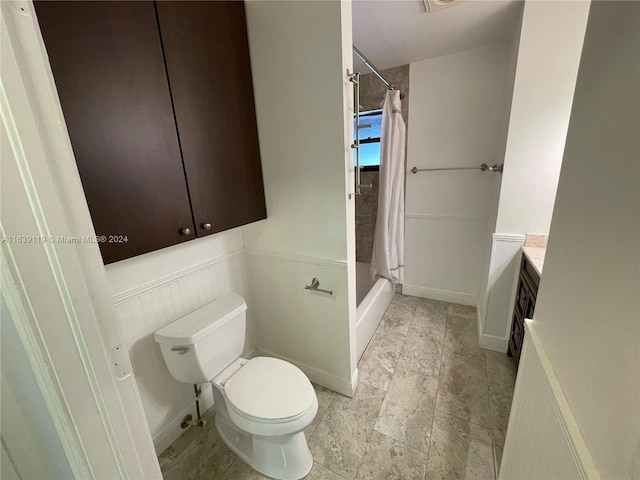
[{"x": 525, "y": 303}]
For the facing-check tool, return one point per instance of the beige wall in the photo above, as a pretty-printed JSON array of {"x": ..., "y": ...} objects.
[
  {"x": 588, "y": 314},
  {"x": 300, "y": 53},
  {"x": 297, "y": 62},
  {"x": 457, "y": 119},
  {"x": 548, "y": 55}
]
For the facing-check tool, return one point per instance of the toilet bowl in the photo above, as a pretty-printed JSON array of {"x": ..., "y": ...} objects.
[
  {"x": 262, "y": 404},
  {"x": 268, "y": 404}
]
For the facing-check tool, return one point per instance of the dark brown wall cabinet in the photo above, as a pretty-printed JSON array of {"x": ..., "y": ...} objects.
[
  {"x": 158, "y": 101},
  {"x": 525, "y": 305}
]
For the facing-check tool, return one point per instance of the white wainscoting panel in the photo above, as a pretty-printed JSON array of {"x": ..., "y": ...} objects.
[
  {"x": 437, "y": 294},
  {"x": 506, "y": 254},
  {"x": 331, "y": 382},
  {"x": 144, "y": 309},
  {"x": 543, "y": 440},
  {"x": 444, "y": 256},
  {"x": 308, "y": 329}
]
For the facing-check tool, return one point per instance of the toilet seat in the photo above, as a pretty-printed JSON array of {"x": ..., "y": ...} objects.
[{"x": 269, "y": 390}]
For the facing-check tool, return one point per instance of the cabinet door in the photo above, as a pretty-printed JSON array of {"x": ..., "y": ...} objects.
[
  {"x": 108, "y": 67},
  {"x": 207, "y": 58}
]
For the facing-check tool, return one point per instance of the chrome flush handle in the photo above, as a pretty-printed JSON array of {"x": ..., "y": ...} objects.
[{"x": 180, "y": 350}]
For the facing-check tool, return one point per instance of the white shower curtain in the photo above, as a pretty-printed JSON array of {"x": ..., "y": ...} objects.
[{"x": 387, "y": 259}]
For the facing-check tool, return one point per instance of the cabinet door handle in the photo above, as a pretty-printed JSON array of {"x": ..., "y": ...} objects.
[
  {"x": 185, "y": 231},
  {"x": 206, "y": 226}
]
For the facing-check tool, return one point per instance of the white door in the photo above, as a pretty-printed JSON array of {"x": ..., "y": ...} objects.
[{"x": 55, "y": 291}]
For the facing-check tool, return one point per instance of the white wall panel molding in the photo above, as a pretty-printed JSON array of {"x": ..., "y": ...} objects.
[
  {"x": 306, "y": 328},
  {"x": 444, "y": 256},
  {"x": 489, "y": 342},
  {"x": 142, "y": 311},
  {"x": 292, "y": 257},
  {"x": 442, "y": 295},
  {"x": 541, "y": 420},
  {"x": 145, "y": 308},
  {"x": 501, "y": 289},
  {"x": 459, "y": 218},
  {"x": 168, "y": 279},
  {"x": 509, "y": 237},
  {"x": 327, "y": 380}
]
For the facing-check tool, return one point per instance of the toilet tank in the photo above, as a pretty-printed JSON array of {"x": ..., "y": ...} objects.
[{"x": 201, "y": 344}]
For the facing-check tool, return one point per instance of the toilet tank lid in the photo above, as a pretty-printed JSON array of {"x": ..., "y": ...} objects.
[{"x": 196, "y": 325}]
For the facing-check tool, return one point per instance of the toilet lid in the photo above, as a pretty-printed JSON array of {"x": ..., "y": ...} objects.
[{"x": 269, "y": 390}]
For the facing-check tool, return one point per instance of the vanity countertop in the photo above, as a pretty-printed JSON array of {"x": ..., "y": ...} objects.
[{"x": 535, "y": 256}]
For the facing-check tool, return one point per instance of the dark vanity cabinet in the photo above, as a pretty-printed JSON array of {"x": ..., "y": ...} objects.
[
  {"x": 158, "y": 101},
  {"x": 528, "y": 282}
]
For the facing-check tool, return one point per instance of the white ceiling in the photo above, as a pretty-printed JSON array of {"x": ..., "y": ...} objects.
[{"x": 396, "y": 32}]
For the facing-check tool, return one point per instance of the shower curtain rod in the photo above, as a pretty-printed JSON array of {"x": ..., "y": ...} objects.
[{"x": 372, "y": 68}]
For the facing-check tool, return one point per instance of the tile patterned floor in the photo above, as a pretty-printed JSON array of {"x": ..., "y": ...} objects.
[{"x": 431, "y": 405}]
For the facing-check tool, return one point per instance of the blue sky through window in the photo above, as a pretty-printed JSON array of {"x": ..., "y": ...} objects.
[
  {"x": 370, "y": 154},
  {"x": 370, "y": 123}
]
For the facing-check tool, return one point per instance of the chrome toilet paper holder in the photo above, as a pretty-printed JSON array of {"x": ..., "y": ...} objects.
[{"x": 314, "y": 287}]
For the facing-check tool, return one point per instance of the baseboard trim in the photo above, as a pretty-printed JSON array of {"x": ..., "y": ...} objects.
[
  {"x": 172, "y": 431},
  {"x": 326, "y": 380},
  {"x": 355, "y": 380},
  {"x": 442, "y": 295},
  {"x": 491, "y": 342},
  {"x": 480, "y": 318}
]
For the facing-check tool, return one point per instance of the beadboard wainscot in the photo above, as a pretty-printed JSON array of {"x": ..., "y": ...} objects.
[
  {"x": 306, "y": 328},
  {"x": 541, "y": 420},
  {"x": 506, "y": 255},
  {"x": 156, "y": 289},
  {"x": 444, "y": 256}
]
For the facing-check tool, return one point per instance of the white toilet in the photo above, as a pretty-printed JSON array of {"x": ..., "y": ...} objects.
[{"x": 262, "y": 404}]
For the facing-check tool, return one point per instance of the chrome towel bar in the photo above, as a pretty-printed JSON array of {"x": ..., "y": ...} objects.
[{"x": 484, "y": 167}]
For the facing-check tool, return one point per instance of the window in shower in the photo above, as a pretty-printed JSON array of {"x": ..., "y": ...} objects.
[{"x": 370, "y": 124}]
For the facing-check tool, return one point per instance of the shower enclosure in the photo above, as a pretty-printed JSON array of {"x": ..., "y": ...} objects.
[{"x": 373, "y": 295}]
